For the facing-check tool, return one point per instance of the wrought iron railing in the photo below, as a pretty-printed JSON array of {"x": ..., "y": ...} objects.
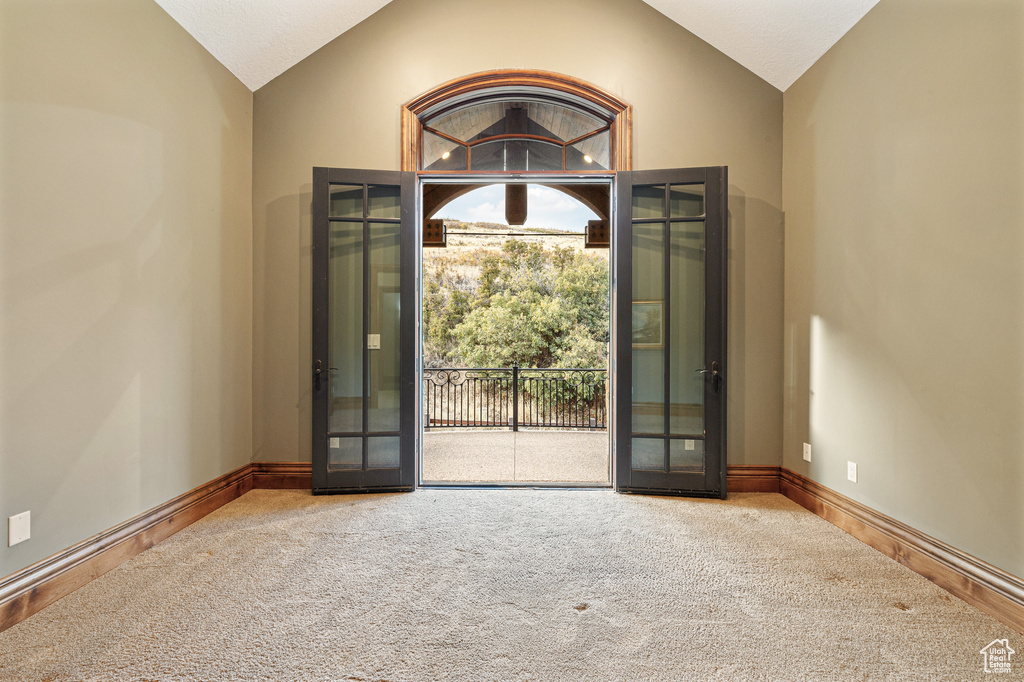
[{"x": 511, "y": 397}]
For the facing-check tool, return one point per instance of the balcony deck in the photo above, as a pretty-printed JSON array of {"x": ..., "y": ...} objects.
[{"x": 500, "y": 456}]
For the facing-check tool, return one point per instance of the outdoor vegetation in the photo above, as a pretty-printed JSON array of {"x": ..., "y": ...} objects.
[{"x": 495, "y": 301}]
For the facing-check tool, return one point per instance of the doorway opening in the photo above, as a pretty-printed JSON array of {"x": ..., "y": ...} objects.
[{"x": 515, "y": 333}]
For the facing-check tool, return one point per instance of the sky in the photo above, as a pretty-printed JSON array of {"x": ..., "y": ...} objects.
[{"x": 546, "y": 207}]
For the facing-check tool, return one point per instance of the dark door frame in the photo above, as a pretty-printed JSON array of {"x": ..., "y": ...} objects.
[
  {"x": 710, "y": 483},
  {"x": 365, "y": 479}
]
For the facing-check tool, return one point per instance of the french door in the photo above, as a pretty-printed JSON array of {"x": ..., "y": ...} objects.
[
  {"x": 670, "y": 318},
  {"x": 364, "y": 339}
]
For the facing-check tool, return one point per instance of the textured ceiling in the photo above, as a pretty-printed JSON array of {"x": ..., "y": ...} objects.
[
  {"x": 776, "y": 39},
  {"x": 260, "y": 39}
]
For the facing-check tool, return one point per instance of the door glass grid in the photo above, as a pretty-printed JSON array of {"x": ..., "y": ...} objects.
[
  {"x": 364, "y": 347},
  {"x": 668, "y": 328}
]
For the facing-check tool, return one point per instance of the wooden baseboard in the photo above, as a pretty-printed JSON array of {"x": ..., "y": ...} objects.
[
  {"x": 44, "y": 582},
  {"x": 978, "y": 583},
  {"x": 990, "y": 589},
  {"x": 752, "y": 478},
  {"x": 282, "y": 475}
]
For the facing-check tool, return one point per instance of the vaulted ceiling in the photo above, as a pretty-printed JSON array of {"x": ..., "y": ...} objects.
[{"x": 260, "y": 39}]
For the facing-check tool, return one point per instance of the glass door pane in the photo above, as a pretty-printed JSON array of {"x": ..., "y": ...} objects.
[
  {"x": 384, "y": 331},
  {"x": 686, "y": 274},
  {"x": 648, "y": 329},
  {"x": 346, "y": 338}
]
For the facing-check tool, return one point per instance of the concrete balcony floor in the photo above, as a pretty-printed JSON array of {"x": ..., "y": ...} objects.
[{"x": 540, "y": 456}]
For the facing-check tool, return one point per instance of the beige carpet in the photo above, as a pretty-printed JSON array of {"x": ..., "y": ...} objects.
[
  {"x": 542, "y": 456},
  {"x": 505, "y": 585}
]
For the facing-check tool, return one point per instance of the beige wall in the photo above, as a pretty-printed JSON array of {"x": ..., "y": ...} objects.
[
  {"x": 340, "y": 107},
  {"x": 904, "y": 168},
  {"x": 125, "y": 267},
  {"x": 154, "y": 242}
]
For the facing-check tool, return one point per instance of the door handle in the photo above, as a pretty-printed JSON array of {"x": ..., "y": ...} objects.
[
  {"x": 318, "y": 374},
  {"x": 716, "y": 376}
]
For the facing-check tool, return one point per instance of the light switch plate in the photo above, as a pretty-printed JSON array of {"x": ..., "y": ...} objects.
[
  {"x": 19, "y": 528},
  {"x": 690, "y": 444},
  {"x": 807, "y": 452},
  {"x": 335, "y": 442},
  {"x": 373, "y": 341}
]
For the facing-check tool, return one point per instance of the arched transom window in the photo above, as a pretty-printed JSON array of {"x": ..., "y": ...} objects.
[
  {"x": 516, "y": 135},
  {"x": 516, "y": 122}
]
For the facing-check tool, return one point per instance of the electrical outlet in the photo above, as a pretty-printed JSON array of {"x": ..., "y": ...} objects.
[
  {"x": 807, "y": 452},
  {"x": 851, "y": 471},
  {"x": 19, "y": 528}
]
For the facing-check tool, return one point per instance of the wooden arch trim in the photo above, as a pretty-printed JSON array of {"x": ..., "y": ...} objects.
[{"x": 621, "y": 128}]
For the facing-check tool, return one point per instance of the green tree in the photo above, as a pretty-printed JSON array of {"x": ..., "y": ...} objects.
[
  {"x": 447, "y": 298},
  {"x": 530, "y": 305}
]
